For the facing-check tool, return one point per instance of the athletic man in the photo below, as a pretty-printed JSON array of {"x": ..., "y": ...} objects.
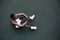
[{"x": 16, "y": 20}]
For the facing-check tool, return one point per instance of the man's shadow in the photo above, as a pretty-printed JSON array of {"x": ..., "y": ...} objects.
[{"x": 21, "y": 30}]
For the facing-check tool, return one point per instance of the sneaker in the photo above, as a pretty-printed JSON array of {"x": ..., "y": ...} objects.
[
  {"x": 32, "y": 17},
  {"x": 16, "y": 26},
  {"x": 33, "y": 27}
]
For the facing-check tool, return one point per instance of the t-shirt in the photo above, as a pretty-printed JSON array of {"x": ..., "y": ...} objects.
[{"x": 18, "y": 21}]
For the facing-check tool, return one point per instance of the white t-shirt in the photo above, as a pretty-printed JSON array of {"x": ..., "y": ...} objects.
[{"x": 18, "y": 21}]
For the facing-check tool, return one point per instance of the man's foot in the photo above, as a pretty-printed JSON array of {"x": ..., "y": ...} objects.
[
  {"x": 33, "y": 27},
  {"x": 16, "y": 26},
  {"x": 32, "y": 17}
]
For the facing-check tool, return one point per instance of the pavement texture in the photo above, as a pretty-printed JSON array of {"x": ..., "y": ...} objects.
[{"x": 47, "y": 19}]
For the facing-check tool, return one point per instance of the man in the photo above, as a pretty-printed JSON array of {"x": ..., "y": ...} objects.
[{"x": 16, "y": 20}]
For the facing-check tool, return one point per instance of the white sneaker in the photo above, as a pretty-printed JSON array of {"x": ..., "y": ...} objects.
[
  {"x": 32, "y": 17},
  {"x": 33, "y": 27},
  {"x": 16, "y": 26}
]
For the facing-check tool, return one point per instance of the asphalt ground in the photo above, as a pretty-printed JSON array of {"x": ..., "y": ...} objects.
[{"x": 47, "y": 19}]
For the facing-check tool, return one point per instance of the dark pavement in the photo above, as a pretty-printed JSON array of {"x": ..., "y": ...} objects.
[{"x": 47, "y": 19}]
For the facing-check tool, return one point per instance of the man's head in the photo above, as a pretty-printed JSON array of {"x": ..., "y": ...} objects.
[{"x": 13, "y": 16}]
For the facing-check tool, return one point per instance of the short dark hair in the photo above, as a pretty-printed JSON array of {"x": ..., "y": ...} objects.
[{"x": 12, "y": 16}]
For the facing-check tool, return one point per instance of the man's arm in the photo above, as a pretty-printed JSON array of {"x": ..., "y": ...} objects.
[
  {"x": 13, "y": 22},
  {"x": 19, "y": 14}
]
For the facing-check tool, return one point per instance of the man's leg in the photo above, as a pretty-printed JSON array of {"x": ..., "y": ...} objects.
[
  {"x": 27, "y": 26},
  {"x": 25, "y": 15},
  {"x": 29, "y": 17},
  {"x": 31, "y": 27}
]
